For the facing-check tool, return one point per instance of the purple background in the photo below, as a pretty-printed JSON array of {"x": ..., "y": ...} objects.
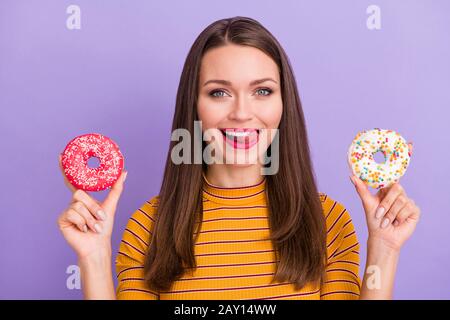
[{"x": 119, "y": 74}]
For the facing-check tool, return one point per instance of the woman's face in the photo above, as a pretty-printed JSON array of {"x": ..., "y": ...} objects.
[{"x": 239, "y": 100}]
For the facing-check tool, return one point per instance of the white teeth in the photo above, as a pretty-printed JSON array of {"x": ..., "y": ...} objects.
[{"x": 237, "y": 134}]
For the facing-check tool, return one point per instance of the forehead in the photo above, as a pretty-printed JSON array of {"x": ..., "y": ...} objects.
[{"x": 238, "y": 64}]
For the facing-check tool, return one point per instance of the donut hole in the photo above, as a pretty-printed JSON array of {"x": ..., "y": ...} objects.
[
  {"x": 379, "y": 157},
  {"x": 93, "y": 162}
]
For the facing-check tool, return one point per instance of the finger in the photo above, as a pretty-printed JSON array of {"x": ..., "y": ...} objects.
[
  {"x": 390, "y": 195},
  {"x": 74, "y": 218},
  {"x": 410, "y": 147},
  {"x": 361, "y": 188},
  {"x": 110, "y": 203},
  {"x": 68, "y": 184},
  {"x": 92, "y": 205},
  {"x": 81, "y": 209},
  {"x": 392, "y": 213},
  {"x": 415, "y": 215},
  {"x": 404, "y": 213}
]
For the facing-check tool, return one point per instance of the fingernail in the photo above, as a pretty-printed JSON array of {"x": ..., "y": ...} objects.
[
  {"x": 101, "y": 214},
  {"x": 396, "y": 223},
  {"x": 97, "y": 228},
  {"x": 384, "y": 223},
  {"x": 85, "y": 229},
  {"x": 125, "y": 177},
  {"x": 379, "y": 213}
]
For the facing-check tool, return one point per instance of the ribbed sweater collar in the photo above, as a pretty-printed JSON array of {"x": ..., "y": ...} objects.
[{"x": 234, "y": 196}]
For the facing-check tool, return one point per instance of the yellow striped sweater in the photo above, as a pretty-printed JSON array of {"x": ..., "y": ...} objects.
[{"x": 233, "y": 259}]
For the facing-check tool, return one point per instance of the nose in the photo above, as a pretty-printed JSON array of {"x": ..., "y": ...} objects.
[{"x": 241, "y": 110}]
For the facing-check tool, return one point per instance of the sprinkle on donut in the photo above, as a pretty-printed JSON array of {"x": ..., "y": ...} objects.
[
  {"x": 75, "y": 162},
  {"x": 361, "y": 157}
]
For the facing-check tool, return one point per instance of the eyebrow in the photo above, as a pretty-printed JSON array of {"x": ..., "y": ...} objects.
[{"x": 228, "y": 83}]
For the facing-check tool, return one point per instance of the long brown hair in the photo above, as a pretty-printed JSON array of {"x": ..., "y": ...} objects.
[{"x": 296, "y": 218}]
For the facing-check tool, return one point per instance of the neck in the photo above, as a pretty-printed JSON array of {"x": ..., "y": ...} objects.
[{"x": 228, "y": 176}]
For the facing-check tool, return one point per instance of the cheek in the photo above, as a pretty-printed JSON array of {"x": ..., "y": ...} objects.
[
  {"x": 208, "y": 114},
  {"x": 271, "y": 114}
]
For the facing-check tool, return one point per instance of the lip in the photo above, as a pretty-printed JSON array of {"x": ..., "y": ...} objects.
[{"x": 241, "y": 138}]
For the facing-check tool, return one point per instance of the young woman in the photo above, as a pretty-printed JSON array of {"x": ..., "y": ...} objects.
[{"x": 225, "y": 230}]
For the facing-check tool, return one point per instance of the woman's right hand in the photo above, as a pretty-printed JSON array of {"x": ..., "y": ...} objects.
[{"x": 87, "y": 224}]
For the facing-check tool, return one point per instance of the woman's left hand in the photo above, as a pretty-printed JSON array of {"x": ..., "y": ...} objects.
[{"x": 391, "y": 215}]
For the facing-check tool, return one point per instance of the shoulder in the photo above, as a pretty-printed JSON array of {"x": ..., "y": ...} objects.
[
  {"x": 150, "y": 205},
  {"x": 333, "y": 210},
  {"x": 137, "y": 234},
  {"x": 339, "y": 224},
  {"x": 144, "y": 217}
]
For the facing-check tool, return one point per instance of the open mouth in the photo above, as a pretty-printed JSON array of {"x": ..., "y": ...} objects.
[{"x": 241, "y": 138}]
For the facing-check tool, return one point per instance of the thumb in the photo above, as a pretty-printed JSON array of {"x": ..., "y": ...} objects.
[
  {"x": 111, "y": 200},
  {"x": 362, "y": 189}
]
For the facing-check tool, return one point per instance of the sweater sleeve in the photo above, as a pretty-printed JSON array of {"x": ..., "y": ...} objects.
[
  {"x": 342, "y": 281},
  {"x": 131, "y": 255}
]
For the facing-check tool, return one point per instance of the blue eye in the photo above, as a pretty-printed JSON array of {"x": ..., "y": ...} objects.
[
  {"x": 217, "y": 93},
  {"x": 264, "y": 91}
]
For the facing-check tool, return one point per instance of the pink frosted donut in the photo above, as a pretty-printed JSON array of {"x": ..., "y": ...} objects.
[{"x": 75, "y": 162}]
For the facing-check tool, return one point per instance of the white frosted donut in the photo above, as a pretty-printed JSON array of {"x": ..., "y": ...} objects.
[{"x": 362, "y": 162}]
